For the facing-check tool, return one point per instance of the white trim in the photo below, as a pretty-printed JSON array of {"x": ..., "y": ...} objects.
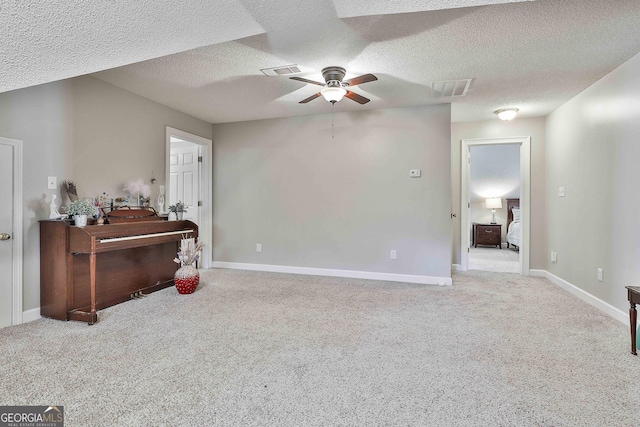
[
  {"x": 525, "y": 196},
  {"x": 371, "y": 275},
  {"x": 456, "y": 267},
  {"x": 17, "y": 231},
  {"x": 603, "y": 306},
  {"x": 538, "y": 273},
  {"x": 31, "y": 315},
  {"x": 205, "y": 228}
]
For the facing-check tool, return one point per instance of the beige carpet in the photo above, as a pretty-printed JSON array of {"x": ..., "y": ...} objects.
[
  {"x": 493, "y": 259},
  {"x": 264, "y": 349}
]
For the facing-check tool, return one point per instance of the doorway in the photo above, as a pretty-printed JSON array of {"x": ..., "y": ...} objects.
[
  {"x": 188, "y": 175},
  {"x": 185, "y": 176},
  {"x": 10, "y": 232},
  {"x": 524, "y": 144},
  {"x": 494, "y": 190}
]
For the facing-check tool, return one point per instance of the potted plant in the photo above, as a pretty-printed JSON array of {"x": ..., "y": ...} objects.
[
  {"x": 187, "y": 277},
  {"x": 178, "y": 209},
  {"x": 80, "y": 210}
]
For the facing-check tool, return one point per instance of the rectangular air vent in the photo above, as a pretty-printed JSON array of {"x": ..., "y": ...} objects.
[
  {"x": 450, "y": 88},
  {"x": 281, "y": 71}
]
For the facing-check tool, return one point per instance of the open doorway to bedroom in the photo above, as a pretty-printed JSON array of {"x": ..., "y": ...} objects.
[
  {"x": 494, "y": 197},
  {"x": 476, "y": 224}
]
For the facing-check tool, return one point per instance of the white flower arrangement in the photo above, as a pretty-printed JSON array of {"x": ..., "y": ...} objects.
[
  {"x": 82, "y": 207},
  {"x": 189, "y": 251}
]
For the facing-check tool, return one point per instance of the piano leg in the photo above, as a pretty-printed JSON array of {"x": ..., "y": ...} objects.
[{"x": 92, "y": 276}]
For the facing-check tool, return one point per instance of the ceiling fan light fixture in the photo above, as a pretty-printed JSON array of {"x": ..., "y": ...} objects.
[
  {"x": 333, "y": 94},
  {"x": 507, "y": 113}
]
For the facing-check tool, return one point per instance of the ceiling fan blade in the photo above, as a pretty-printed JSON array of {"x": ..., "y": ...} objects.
[
  {"x": 358, "y": 98},
  {"x": 365, "y": 78},
  {"x": 300, "y": 79},
  {"x": 311, "y": 98}
]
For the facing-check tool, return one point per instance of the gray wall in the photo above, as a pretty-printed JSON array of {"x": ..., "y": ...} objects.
[
  {"x": 338, "y": 203},
  {"x": 88, "y": 131},
  {"x": 533, "y": 127},
  {"x": 593, "y": 151}
]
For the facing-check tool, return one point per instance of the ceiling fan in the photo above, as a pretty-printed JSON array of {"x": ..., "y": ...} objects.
[{"x": 334, "y": 88}]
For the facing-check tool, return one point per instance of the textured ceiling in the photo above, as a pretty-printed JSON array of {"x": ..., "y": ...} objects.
[{"x": 204, "y": 58}]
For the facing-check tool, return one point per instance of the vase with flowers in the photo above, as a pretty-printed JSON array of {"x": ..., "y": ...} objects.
[
  {"x": 177, "y": 210},
  {"x": 187, "y": 277},
  {"x": 80, "y": 210}
]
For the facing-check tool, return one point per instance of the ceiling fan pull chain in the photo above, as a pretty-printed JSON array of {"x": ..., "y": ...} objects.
[{"x": 333, "y": 105}]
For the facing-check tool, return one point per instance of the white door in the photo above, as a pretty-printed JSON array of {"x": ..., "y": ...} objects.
[
  {"x": 6, "y": 234},
  {"x": 184, "y": 178}
]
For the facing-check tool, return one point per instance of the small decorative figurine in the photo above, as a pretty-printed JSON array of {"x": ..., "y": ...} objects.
[{"x": 53, "y": 209}]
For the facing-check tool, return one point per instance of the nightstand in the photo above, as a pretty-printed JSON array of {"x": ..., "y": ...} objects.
[{"x": 487, "y": 234}]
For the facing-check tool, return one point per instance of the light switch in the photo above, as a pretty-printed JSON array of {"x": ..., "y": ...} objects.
[{"x": 52, "y": 182}]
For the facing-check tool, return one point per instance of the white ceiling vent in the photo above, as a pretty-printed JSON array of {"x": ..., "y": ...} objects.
[
  {"x": 281, "y": 71},
  {"x": 450, "y": 88}
]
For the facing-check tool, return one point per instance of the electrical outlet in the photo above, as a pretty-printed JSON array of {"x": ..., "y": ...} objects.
[
  {"x": 560, "y": 191},
  {"x": 258, "y": 247},
  {"x": 162, "y": 190},
  {"x": 52, "y": 182},
  {"x": 394, "y": 254},
  {"x": 600, "y": 274},
  {"x": 554, "y": 256}
]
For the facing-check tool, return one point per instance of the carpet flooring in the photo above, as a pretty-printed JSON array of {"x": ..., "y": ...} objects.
[
  {"x": 493, "y": 259},
  {"x": 268, "y": 349}
]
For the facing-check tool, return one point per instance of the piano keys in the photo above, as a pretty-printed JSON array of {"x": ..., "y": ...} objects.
[{"x": 86, "y": 269}]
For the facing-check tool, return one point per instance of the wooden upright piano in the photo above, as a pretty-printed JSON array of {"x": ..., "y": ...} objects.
[{"x": 86, "y": 269}]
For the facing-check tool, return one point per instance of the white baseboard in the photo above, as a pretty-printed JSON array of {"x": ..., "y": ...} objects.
[
  {"x": 456, "y": 267},
  {"x": 538, "y": 273},
  {"x": 603, "y": 306},
  {"x": 371, "y": 275},
  {"x": 31, "y": 315}
]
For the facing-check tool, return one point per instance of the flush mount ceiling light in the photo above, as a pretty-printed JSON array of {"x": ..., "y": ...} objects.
[{"x": 506, "y": 113}]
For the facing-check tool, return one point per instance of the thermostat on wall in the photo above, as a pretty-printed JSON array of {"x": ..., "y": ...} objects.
[{"x": 414, "y": 173}]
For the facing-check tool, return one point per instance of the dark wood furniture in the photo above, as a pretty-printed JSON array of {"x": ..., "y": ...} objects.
[
  {"x": 85, "y": 269},
  {"x": 131, "y": 214},
  {"x": 633, "y": 295},
  {"x": 511, "y": 203},
  {"x": 487, "y": 234}
]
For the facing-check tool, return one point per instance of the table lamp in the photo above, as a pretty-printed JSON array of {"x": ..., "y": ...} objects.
[{"x": 493, "y": 204}]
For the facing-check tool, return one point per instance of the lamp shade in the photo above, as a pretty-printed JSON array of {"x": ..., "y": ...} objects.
[
  {"x": 494, "y": 203},
  {"x": 333, "y": 94}
]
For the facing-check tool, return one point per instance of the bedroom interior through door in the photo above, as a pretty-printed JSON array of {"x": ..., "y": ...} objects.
[
  {"x": 494, "y": 173},
  {"x": 525, "y": 192}
]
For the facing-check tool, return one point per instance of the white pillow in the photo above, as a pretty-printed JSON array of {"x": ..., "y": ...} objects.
[{"x": 516, "y": 214}]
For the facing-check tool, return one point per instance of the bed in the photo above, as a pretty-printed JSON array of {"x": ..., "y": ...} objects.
[{"x": 513, "y": 223}]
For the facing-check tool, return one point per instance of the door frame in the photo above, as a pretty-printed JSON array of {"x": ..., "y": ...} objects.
[
  {"x": 525, "y": 197},
  {"x": 205, "y": 230},
  {"x": 16, "y": 232}
]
